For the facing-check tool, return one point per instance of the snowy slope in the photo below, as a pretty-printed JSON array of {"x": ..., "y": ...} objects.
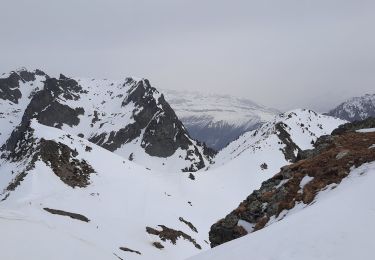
[
  {"x": 285, "y": 135},
  {"x": 129, "y": 198},
  {"x": 217, "y": 119},
  {"x": 357, "y": 108},
  {"x": 339, "y": 225},
  {"x": 120, "y": 201},
  {"x": 128, "y": 117}
]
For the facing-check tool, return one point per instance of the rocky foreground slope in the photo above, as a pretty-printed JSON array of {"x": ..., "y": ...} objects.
[
  {"x": 130, "y": 118},
  {"x": 297, "y": 185}
]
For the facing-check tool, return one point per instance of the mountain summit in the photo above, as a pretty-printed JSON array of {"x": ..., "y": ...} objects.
[
  {"x": 356, "y": 108},
  {"x": 130, "y": 117}
]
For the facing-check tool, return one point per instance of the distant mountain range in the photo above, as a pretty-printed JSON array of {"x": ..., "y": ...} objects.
[
  {"x": 356, "y": 108},
  {"x": 217, "y": 119}
]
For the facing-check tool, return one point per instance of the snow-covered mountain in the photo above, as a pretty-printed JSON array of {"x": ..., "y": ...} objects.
[
  {"x": 128, "y": 117},
  {"x": 357, "y": 108},
  {"x": 303, "y": 211},
  {"x": 286, "y": 134},
  {"x": 91, "y": 169},
  {"x": 84, "y": 201},
  {"x": 217, "y": 119}
]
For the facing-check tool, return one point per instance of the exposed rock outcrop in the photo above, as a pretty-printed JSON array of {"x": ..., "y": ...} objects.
[
  {"x": 171, "y": 235},
  {"x": 316, "y": 170},
  {"x": 142, "y": 116},
  {"x": 68, "y": 214}
]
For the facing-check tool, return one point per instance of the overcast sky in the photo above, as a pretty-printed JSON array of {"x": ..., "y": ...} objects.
[{"x": 280, "y": 53}]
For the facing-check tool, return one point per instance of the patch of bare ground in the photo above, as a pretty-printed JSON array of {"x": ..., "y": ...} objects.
[
  {"x": 130, "y": 250},
  {"x": 68, "y": 214},
  {"x": 189, "y": 224},
  {"x": 172, "y": 235}
]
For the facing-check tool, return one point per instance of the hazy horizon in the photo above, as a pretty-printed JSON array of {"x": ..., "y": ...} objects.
[{"x": 284, "y": 55}]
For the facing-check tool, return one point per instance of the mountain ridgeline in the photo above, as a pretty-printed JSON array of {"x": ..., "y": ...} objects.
[
  {"x": 130, "y": 118},
  {"x": 111, "y": 168},
  {"x": 356, "y": 108}
]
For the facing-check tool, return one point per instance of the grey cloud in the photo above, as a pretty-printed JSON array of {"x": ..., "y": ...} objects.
[{"x": 285, "y": 54}]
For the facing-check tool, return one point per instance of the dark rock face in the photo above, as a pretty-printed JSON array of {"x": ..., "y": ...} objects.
[
  {"x": 355, "y": 109},
  {"x": 73, "y": 172},
  {"x": 125, "y": 249},
  {"x": 189, "y": 224},
  {"x": 61, "y": 159},
  {"x": 290, "y": 147},
  {"x": 162, "y": 132},
  {"x": 9, "y": 87},
  {"x": 44, "y": 107},
  {"x": 327, "y": 164}
]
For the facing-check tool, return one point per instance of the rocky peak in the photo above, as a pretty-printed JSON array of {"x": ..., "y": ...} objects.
[
  {"x": 354, "y": 109},
  {"x": 141, "y": 116}
]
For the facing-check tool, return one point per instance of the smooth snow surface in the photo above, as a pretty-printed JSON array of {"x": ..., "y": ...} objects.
[
  {"x": 339, "y": 225},
  {"x": 366, "y": 130}
]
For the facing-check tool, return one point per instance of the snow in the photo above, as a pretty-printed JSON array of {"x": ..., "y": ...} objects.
[
  {"x": 366, "y": 130},
  {"x": 126, "y": 196},
  {"x": 304, "y": 127},
  {"x": 339, "y": 225},
  {"x": 104, "y": 99},
  {"x": 356, "y": 108},
  {"x": 131, "y": 197},
  {"x": 305, "y": 180}
]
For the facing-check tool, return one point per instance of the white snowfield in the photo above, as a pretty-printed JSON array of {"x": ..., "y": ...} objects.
[
  {"x": 339, "y": 225},
  {"x": 123, "y": 198},
  {"x": 366, "y": 130}
]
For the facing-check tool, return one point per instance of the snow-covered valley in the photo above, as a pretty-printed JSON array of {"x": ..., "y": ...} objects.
[{"x": 97, "y": 169}]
